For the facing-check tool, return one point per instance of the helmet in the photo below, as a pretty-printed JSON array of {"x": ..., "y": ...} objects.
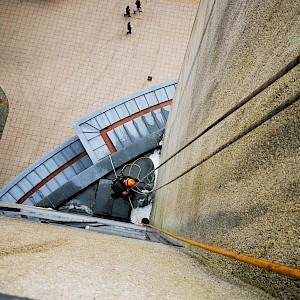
[{"x": 130, "y": 182}]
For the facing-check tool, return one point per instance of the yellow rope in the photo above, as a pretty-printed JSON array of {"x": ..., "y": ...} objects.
[
  {"x": 139, "y": 222},
  {"x": 276, "y": 268},
  {"x": 131, "y": 165},
  {"x": 137, "y": 190},
  {"x": 264, "y": 264}
]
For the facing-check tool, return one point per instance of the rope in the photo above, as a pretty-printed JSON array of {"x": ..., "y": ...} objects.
[
  {"x": 112, "y": 165},
  {"x": 137, "y": 219},
  {"x": 131, "y": 165},
  {"x": 261, "y": 88},
  {"x": 136, "y": 188},
  {"x": 264, "y": 264},
  {"x": 253, "y": 126}
]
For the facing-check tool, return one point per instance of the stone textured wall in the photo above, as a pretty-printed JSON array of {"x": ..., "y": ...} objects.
[
  {"x": 238, "y": 181},
  {"x": 3, "y": 111}
]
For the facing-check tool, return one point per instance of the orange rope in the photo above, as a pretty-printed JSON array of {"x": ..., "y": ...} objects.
[
  {"x": 264, "y": 264},
  {"x": 276, "y": 268}
]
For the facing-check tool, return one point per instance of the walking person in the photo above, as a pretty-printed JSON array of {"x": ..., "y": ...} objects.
[
  {"x": 129, "y": 27},
  {"x": 127, "y": 12},
  {"x": 138, "y": 6}
]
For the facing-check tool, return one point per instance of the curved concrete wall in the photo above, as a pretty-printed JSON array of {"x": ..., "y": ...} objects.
[{"x": 236, "y": 186}]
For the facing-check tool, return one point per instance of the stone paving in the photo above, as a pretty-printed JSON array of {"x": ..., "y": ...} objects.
[{"x": 61, "y": 60}]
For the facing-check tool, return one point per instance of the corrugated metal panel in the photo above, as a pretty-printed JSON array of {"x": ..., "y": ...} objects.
[
  {"x": 112, "y": 116},
  {"x": 170, "y": 90},
  {"x": 119, "y": 110},
  {"x": 122, "y": 111},
  {"x": 132, "y": 107},
  {"x": 103, "y": 121},
  {"x": 151, "y": 99},
  {"x": 141, "y": 102},
  {"x": 161, "y": 95},
  {"x": 39, "y": 172}
]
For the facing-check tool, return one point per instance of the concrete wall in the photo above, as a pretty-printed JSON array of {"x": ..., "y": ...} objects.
[{"x": 237, "y": 96}]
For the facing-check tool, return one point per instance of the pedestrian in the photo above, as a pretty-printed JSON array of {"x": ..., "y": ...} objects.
[
  {"x": 127, "y": 12},
  {"x": 138, "y": 6},
  {"x": 129, "y": 27},
  {"x": 122, "y": 186}
]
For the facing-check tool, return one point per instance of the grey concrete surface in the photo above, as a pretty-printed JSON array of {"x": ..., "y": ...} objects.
[
  {"x": 241, "y": 190},
  {"x": 41, "y": 261}
]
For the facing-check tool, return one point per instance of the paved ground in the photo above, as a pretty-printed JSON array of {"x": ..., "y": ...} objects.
[
  {"x": 43, "y": 261},
  {"x": 60, "y": 60}
]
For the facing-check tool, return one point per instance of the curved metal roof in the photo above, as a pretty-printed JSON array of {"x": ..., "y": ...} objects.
[
  {"x": 107, "y": 130},
  {"x": 126, "y": 120}
]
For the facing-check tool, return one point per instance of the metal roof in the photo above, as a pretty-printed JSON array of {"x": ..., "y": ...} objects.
[
  {"x": 53, "y": 170},
  {"x": 125, "y": 121},
  {"x": 107, "y": 130}
]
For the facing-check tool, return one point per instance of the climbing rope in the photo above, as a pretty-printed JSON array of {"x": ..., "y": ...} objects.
[
  {"x": 293, "y": 63},
  {"x": 276, "y": 268},
  {"x": 136, "y": 188},
  {"x": 131, "y": 165},
  {"x": 137, "y": 219},
  {"x": 264, "y": 264}
]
